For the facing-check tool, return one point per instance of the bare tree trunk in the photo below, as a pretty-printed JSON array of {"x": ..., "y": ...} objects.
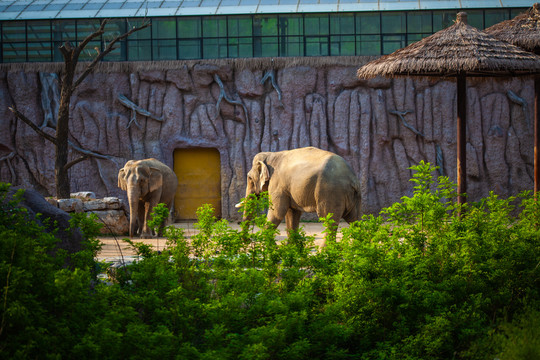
[
  {"x": 68, "y": 86},
  {"x": 63, "y": 186}
]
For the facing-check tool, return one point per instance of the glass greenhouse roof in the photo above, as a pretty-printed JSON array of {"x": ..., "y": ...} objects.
[{"x": 69, "y": 9}]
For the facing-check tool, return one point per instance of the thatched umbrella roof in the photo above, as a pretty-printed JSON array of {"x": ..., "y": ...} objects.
[
  {"x": 457, "y": 51},
  {"x": 522, "y": 31},
  {"x": 459, "y": 48}
]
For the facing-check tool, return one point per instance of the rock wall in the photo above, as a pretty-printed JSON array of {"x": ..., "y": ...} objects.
[
  {"x": 381, "y": 127},
  {"x": 112, "y": 212}
]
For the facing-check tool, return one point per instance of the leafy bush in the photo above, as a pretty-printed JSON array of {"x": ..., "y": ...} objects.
[
  {"x": 424, "y": 279},
  {"x": 41, "y": 300}
]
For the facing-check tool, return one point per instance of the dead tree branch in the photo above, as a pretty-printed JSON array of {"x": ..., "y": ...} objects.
[
  {"x": 110, "y": 47},
  {"x": 36, "y": 128}
]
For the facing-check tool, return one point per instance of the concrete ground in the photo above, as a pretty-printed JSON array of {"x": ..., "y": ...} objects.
[{"x": 114, "y": 248}]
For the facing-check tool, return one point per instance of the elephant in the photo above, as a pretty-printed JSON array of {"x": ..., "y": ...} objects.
[
  {"x": 305, "y": 180},
  {"x": 148, "y": 182}
]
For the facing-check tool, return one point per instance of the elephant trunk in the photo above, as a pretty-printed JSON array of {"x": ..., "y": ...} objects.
[
  {"x": 242, "y": 203},
  {"x": 133, "y": 198}
]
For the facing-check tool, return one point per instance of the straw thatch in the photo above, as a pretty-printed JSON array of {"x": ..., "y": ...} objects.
[
  {"x": 458, "y": 49},
  {"x": 261, "y": 63},
  {"x": 522, "y": 31}
]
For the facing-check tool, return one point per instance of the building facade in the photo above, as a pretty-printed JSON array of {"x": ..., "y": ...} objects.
[
  {"x": 32, "y": 31},
  {"x": 207, "y": 108}
]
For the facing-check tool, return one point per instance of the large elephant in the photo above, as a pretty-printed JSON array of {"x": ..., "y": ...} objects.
[
  {"x": 305, "y": 180},
  {"x": 148, "y": 182}
]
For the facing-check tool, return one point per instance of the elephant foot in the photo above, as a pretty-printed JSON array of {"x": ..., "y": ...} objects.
[{"x": 146, "y": 236}]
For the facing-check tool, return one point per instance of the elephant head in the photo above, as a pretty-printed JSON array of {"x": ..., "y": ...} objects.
[
  {"x": 257, "y": 179},
  {"x": 139, "y": 181}
]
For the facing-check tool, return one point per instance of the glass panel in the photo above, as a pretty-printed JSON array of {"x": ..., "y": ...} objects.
[
  {"x": 412, "y": 38},
  {"x": 64, "y": 30},
  {"x": 13, "y": 31},
  {"x": 316, "y": 25},
  {"x": 86, "y": 27},
  {"x": 291, "y": 25},
  {"x": 443, "y": 19},
  {"x": 114, "y": 28},
  {"x": 342, "y": 45},
  {"x": 368, "y": 23},
  {"x": 392, "y": 43},
  {"x": 119, "y": 53},
  {"x": 39, "y": 51},
  {"x": 164, "y": 29},
  {"x": 240, "y": 47},
  {"x": 265, "y": 46},
  {"x": 139, "y": 50},
  {"x": 93, "y": 6},
  {"x": 317, "y": 46},
  {"x": 164, "y": 49},
  {"x": 240, "y": 26},
  {"x": 57, "y": 55},
  {"x": 265, "y": 25},
  {"x": 342, "y": 23},
  {"x": 393, "y": 23},
  {"x": 14, "y": 52},
  {"x": 494, "y": 16},
  {"x": 475, "y": 18},
  {"x": 214, "y": 26},
  {"x": 368, "y": 45},
  {"x": 291, "y": 46},
  {"x": 141, "y": 34},
  {"x": 90, "y": 51},
  {"x": 189, "y": 49},
  {"x": 39, "y": 30},
  {"x": 419, "y": 22},
  {"x": 214, "y": 48},
  {"x": 516, "y": 12},
  {"x": 189, "y": 27}
]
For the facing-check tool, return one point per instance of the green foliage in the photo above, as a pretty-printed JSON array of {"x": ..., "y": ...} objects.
[
  {"x": 158, "y": 218},
  {"x": 43, "y": 304},
  {"x": 520, "y": 338},
  {"x": 90, "y": 227},
  {"x": 417, "y": 281}
]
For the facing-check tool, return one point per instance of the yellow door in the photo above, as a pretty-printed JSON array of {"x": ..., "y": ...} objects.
[{"x": 199, "y": 181}]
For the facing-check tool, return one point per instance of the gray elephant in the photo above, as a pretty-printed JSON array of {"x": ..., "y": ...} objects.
[
  {"x": 148, "y": 182},
  {"x": 305, "y": 180}
]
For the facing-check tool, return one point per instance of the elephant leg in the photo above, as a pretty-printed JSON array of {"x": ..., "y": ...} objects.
[
  {"x": 337, "y": 213},
  {"x": 278, "y": 211},
  {"x": 352, "y": 216},
  {"x": 146, "y": 233},
  {"x": 149, "y": 207},
  {"x": 292, "y": 219},
  {"x": 140, "y": 218},
  {"x": 168, "y": 220}
]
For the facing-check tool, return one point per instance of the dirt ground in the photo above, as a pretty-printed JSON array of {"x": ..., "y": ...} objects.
[{"x": 114, "y": 248}]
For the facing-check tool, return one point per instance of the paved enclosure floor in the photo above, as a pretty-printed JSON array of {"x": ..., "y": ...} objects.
[{"x": 114, "y": 248}]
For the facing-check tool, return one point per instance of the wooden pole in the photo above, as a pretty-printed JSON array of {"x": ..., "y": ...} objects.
[
  {"x": 461, "y": 137},
  {"x": 536, "y": 136}
]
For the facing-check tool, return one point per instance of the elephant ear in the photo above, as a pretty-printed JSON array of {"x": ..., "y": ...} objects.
[
  {"x": 155, "y": 181},
  {"x": 122, "y": 179},
  {"x": 264, "y": 175}
]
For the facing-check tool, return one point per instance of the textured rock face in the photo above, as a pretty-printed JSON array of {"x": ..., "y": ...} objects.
[
  {"x": 111, "y": 211},
  {"x": 381, "y": 127}
]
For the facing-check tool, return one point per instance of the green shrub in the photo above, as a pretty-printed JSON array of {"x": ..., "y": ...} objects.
[
  {"x": 44, "y": 306},
  {"x": 424, "y": 279}
]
